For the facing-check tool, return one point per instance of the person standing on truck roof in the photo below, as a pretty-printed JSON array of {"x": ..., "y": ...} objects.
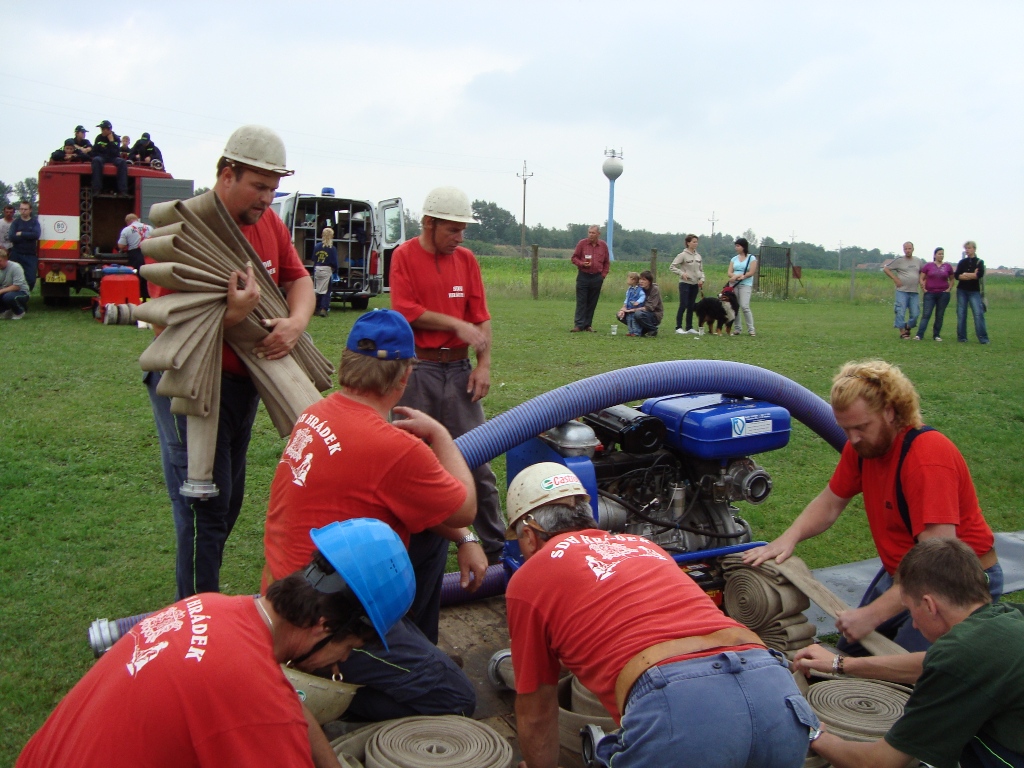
[
  {"x": 688, "y": 685},
  {"x": 436, "y": 285},
  {"x": 83, "y": 144},
  {"x": 5, "y": 228},
  {"x": 325, "y": 265},
  {"x": 967, "y": 706},
  {"x": 145, "y": 152},
  {"x": 592, "y": 260},
  {"x": 916, "y": 486},
  {"x": 247, "y": 174},
  {"x": 24, "y": 234},
  {"x": 130, "y": 242},
  {"x": 199, "y": 684},
  {"x": 107, "y": 150},
  {"x": 344, "y": 459}
]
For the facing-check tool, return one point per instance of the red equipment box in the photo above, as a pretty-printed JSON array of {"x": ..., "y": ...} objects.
[{"x": 118, "y": 289}]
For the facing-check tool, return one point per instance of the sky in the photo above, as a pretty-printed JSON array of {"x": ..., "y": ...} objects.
[{"x": 867, "y": 123}]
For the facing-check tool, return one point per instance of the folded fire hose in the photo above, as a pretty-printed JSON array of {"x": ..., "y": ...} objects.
[
  {"x": 197, "y": 246},
  {"x": 424, "y": 742}
]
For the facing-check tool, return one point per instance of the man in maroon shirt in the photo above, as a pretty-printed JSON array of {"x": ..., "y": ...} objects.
[{"x": 591, "y": 259}]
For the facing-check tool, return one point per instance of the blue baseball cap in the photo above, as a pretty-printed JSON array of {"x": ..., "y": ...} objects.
[{"x": 383, "y": 334}]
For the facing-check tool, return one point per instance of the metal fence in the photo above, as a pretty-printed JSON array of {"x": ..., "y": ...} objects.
[{"x": 773, "y": 271}]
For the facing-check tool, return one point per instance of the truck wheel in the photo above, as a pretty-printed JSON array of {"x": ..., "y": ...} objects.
[
  {"x": 360, "y": 302},
  {"x": 55, "y": 295}
]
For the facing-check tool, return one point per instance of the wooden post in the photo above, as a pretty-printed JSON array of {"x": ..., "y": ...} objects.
[
  {"x": 853, "y": 276},
  {"x": 533, "y": 272},
  {"x": 654, "y": 263}
]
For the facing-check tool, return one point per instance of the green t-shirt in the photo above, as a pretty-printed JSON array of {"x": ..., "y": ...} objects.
[{"x": 972, "y": 684}]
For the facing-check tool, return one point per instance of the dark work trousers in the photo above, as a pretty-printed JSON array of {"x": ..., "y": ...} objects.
[
  {"x": 687, "y": 301},
  {"x": 30, "y": 263},
  {"x": 122, "y": 174},
  {"x": 439, "y": 390},
  {"x": 588, "y": 291},
  {"x": 135, "y": 261},
  {"x": 202, "y": 526}
]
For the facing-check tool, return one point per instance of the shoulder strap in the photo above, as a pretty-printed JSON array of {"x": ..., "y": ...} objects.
[{"x": 901, "y": 499}]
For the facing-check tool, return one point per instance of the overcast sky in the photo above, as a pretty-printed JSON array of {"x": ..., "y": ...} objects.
[{"x": 867, "y": 123}]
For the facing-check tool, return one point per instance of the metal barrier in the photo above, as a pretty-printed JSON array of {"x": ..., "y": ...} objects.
[{"x": 774, "y": 266}]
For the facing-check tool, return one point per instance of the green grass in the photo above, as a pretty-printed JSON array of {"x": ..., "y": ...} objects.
[{"x": 85, "y": 524}]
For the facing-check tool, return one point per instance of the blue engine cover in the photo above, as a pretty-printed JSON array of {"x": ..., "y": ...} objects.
[{"x": 719, "y": 426}]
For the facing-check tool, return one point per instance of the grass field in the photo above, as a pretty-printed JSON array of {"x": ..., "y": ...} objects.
[{"x": 85, "y": 525}]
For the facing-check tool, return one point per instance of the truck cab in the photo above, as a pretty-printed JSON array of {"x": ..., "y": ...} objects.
[
  {"x": 365, "y": 236},
  {"x": 79, "y": 230}
]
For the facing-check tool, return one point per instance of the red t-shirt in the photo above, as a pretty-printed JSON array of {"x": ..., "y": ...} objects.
[
  {"x": 270, "y": 239},
  {"x": 343, "y": 460},
  {"x": 195, "y": 684},
  {"x": 451, "y": 285},
  {"x": 936, "y": 484},
  {"x": 593, "y": 600}
]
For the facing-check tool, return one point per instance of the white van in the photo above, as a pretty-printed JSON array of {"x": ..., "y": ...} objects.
[{"x": 365, "y": 236}]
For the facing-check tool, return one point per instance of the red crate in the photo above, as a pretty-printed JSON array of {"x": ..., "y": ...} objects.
[{"x": 118, "y": 289}]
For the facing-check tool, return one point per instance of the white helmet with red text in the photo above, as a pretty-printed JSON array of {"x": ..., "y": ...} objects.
[{"x": 538, "y": 485}]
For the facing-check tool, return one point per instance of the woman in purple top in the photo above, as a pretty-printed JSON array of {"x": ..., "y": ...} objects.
[{"x": 936, "y": 279}]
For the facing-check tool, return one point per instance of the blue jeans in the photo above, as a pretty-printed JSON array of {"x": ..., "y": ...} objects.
[
  {"x": 938, "y": 302},
  {"x": 907, "y": 302},
  {"x": 15, "y": 301},
  {"x": 963, "y": 298},
  {"x": 900, "y": 628},
  {"x": 202, "y": 526},
  {"x": 730, "y": 710},
  {"x": 413, "y": 677}
]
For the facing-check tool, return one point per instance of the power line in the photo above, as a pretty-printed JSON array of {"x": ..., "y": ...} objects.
[{"x": 522, "y": 244}]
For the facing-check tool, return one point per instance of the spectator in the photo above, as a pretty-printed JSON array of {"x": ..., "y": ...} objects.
[
  {"x": 145, "y": 152},
  {"x": 905, "y": 273},
  {"x": 24, "y": 233},
  {"x": 5, "y": 228},
  {"x": 969, "y": 274},
  {"x": 591, "y": 259},
  {"x": 107, "y": 150},
  {"x": 742, "y": 269},
  {"x": 126, "y": 148},
  {"x": 635, "y": 298},
  {"x": 937, "y": 280},
  {"x": 130, "y": 241},
  {"x": 649, "y": 318},
  {"x": 83, "y": 144},
  {"x": 69, "y": 153},
  {"x": 13, "y": 288},
  {"x": 690, "y": 268},
  {"x": 325, "y": 266}
]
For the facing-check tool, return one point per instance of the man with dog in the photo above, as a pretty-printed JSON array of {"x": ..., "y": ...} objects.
[
  {"x": 640, "y": 634},
  {"x": 968, "y": 699},
  {"x": 916, "y": 486},
  {"x": 690, "y": 268}
]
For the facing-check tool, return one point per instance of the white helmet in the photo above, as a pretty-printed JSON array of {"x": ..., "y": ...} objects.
[
  {"x": 258, "y": 147},
  {"x": 450, "y": 204},
  {"x": 538, "y": 485}
]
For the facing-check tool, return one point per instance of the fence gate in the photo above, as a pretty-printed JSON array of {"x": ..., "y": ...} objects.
[{"x": 774, "y": 267}]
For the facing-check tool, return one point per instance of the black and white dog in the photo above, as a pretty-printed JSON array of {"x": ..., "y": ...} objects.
[{"x": 721, "y": 311}]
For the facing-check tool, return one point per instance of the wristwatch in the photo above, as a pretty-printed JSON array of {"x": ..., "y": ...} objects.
[
  {"x": 469, "y": 538},
  {"x": 815, "y": 734}
]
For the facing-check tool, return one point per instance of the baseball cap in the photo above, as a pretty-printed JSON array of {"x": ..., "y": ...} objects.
[
  {"x": 105, "y": 124},
  {"x": 383, "y": 334},
  {"x": 70, "y": 142},
  {"x": 80, "y": 129},
  {"x": 146, "y": 136}
]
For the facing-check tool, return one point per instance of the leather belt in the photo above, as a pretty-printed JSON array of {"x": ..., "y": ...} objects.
[
  {"x": 723, "y": 638},
  {"x": 442, "y": 354},
  {"x": 988, "y": 559}
]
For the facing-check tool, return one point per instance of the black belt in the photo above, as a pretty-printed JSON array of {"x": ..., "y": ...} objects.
[{"x": 442, "y": 354}]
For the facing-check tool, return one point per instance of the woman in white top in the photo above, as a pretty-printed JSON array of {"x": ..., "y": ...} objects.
[{"x": 742, "y": 269}]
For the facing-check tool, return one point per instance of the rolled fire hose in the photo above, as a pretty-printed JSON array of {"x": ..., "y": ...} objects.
[
  {"x": 768, "y": 603},
  {"x": 425, "y": 742},
  {"x": 858, "y": 710},
  {"x": 197, "y": 246}
]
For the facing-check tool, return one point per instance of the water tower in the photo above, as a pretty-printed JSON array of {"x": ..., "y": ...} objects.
[{"x": 612, "y": 169}]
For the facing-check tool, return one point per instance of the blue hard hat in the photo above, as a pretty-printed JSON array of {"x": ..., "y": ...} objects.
[{"x": 372, "y": 560}]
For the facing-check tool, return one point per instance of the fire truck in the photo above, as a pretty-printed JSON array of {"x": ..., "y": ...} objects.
[
  {"x": 79, "y": 230},
  {"x": 365, "y": 236}
]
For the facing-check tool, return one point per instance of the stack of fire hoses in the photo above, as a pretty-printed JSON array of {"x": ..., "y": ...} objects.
[{"x": 424, "y": 742}]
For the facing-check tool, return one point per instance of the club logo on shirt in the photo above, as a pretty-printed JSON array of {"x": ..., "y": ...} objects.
[
  {"x": 457, "y": 292},
  {"x": 269, "y": 264},
  {"x": 142, "y": 656},
  {"x": 610, "y": 551},
  {"x": 297, "y": 463},
  {"x": 169, "y": 620}
]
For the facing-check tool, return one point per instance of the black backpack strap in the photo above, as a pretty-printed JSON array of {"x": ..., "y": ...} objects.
[{"x": 901, "y": 499}]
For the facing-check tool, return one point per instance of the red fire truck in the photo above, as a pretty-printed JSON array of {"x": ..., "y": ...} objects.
[{"x": 79, "y": 231}]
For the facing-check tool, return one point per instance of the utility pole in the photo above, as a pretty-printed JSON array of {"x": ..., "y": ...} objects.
[
  {"x": 712, "y": 220},
  {"x": 839, "y": 262},
  {"x": 792, "y": 238},
  {"x": 522, "y": 240}
]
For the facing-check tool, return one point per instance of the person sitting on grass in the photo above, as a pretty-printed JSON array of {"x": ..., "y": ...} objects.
[{"x": 635, "y": 298}]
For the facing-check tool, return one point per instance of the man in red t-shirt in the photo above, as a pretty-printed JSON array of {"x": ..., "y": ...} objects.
[
  {"x": 643, "y": 637},
  {"x": 247, "y": 175},
  {"x": 436, "y": 285},
  {"x": 879, "y": 410},
  {"x": 199, "y": 684}
]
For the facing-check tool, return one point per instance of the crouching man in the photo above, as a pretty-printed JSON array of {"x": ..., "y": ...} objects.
[
  {"x": 688, "y": 685},
  {"x": 968, "y": 699},
  {"x": 199, "y": 683}
]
